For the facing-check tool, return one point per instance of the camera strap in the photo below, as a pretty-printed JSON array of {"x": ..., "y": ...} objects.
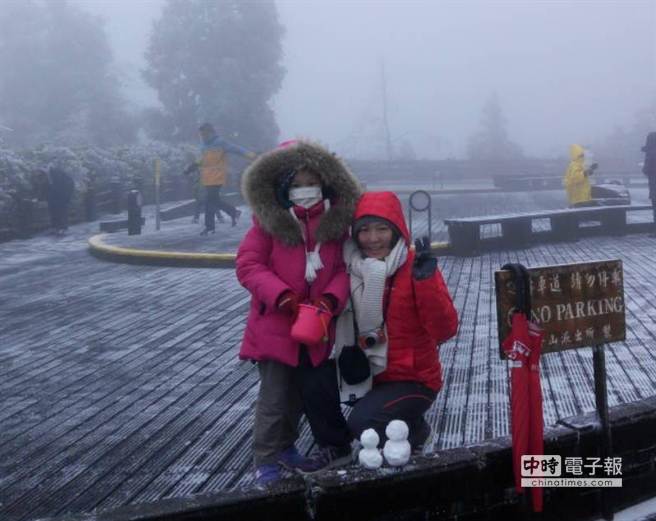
[
  {"x": 356, "y": 330},
  {"x": 387, "y": 296}
]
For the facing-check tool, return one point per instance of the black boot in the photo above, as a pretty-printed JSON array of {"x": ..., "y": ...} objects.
[{"x": 235, "y": 217}]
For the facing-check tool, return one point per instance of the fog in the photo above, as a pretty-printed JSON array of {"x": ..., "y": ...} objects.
[{"x": 564, "y": 71}]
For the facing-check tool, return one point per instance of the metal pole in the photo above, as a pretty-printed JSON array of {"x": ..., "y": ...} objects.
[
  {"x": 413, "y": 205},
  {"x": 157, "y": 185},
  {"x": 430, "y": 220},
  {"x": 601, "y": 400},
  {"x": 388, "y": 139},
  {"x": 134, "y": 212}
]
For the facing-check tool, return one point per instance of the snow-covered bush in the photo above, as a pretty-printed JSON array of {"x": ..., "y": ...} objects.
[
  {"x": 131, "y": 166},
  {"x": 123, "y": 164}
]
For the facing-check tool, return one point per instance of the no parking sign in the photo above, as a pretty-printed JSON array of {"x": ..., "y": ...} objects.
[{"x": 576, "y": 305}]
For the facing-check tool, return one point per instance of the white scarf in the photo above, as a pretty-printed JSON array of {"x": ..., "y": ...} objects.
[
  {"x": 367, "y": 278},
  {"x": 312, "y": 259}
]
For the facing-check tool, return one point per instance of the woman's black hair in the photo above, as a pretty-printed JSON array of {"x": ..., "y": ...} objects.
[{"x": 367, "y": 219}]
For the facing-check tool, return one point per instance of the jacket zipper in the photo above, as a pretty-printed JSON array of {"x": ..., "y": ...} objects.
[{"x": 306, "y": 218}]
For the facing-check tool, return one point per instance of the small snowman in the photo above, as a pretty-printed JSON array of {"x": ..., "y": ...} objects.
[
  {"x": 397, "y": 447},
  {"x": 369, "y": 456}
]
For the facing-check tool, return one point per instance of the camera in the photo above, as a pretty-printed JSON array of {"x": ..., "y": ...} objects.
[{"x": 372, "y": 338}]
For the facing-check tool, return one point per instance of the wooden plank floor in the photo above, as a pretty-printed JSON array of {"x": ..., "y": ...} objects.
[{"x": 120, "y": 384}]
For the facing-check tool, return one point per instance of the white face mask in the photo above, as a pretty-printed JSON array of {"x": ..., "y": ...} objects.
[{"x": 305, "y": 196}]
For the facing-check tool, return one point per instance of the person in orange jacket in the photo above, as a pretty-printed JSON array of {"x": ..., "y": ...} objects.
[{"x": 214, "y": 173}]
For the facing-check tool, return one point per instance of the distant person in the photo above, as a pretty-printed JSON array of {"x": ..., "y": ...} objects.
[
  {"x": 649, "y": 169},
  {"x": 576, "y": 180},
  {"x": 302, "y": 198},
  {"x": 214, "y": 173},
  {"x": 58, "y": 187},
  {"x": 198, "y": 193}
]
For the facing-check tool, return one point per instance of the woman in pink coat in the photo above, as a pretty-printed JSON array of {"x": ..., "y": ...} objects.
[{"x": 303, "y": 199}]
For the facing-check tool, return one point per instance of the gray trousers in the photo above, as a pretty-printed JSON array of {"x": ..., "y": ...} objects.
[
  {"x": 277, "y": 412},
  {"x": 286, "y": 393}
]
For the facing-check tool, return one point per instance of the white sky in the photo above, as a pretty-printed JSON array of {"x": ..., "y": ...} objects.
[{"x": 564, "y": 71}]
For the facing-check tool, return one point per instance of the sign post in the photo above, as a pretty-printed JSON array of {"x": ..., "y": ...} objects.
[
  {"x": 157, "y": 187},
  {"x": 134, "y": 212},
  {"x": 601, "y": 401},
  {"x": 420, "y": 201},
  {"x": 576, "y": 305}
]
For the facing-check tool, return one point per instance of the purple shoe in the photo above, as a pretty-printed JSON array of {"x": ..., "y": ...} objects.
[
  {"x": 326, "y": 458},
  {"x": 292, "y": 460},
  {"x": 267, "y": 474}
]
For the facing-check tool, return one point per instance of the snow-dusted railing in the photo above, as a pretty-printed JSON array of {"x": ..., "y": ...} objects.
[{"x": 518, "y": 231}]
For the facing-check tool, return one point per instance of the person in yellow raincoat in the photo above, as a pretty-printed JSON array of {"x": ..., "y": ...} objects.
[{"x": 576, "y": 181}]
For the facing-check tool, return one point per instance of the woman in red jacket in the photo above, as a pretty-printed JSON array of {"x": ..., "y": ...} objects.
[{"x": 401, "y": 311}]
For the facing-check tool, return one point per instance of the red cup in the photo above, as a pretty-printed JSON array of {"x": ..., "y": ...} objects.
[{"x": 311, "y": 325}]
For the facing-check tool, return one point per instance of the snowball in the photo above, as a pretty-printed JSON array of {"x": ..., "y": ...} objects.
[
  {"x": 397, "y": 453},
  {"x": 369, "y": 439},
  {"x": 370, "y": 458},
  {"x": 397, "y": 430}
]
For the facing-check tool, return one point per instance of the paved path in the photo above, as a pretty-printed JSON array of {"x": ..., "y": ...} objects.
[{"x": 120, "y": 384}]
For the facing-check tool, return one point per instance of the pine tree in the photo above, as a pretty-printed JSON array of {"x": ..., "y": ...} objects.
[
  {"x": 492, "y": 142},
  {"x": 217, "y": 62}
]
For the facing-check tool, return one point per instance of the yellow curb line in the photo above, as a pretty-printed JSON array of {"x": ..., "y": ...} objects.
[{"x": 96, "y": 243}]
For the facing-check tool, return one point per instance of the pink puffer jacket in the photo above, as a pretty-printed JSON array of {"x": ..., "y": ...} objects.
[
  {"x": 271, "y": 257},
  {"x": 268, "y": 268}
]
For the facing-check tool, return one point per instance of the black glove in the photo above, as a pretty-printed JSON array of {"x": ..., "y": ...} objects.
[
  {"x": 193, "y": 167},
  {"x": 425, "y": 264}
]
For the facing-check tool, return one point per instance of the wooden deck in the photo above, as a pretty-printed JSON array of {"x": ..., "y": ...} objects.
[{"x": 120, "y": 384}]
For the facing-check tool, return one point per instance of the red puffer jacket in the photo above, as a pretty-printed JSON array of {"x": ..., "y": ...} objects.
[{"x": 420, "y": 313}]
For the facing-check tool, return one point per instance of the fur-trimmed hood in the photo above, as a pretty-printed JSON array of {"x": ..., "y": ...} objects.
[{"x": 260, "y": 180}]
